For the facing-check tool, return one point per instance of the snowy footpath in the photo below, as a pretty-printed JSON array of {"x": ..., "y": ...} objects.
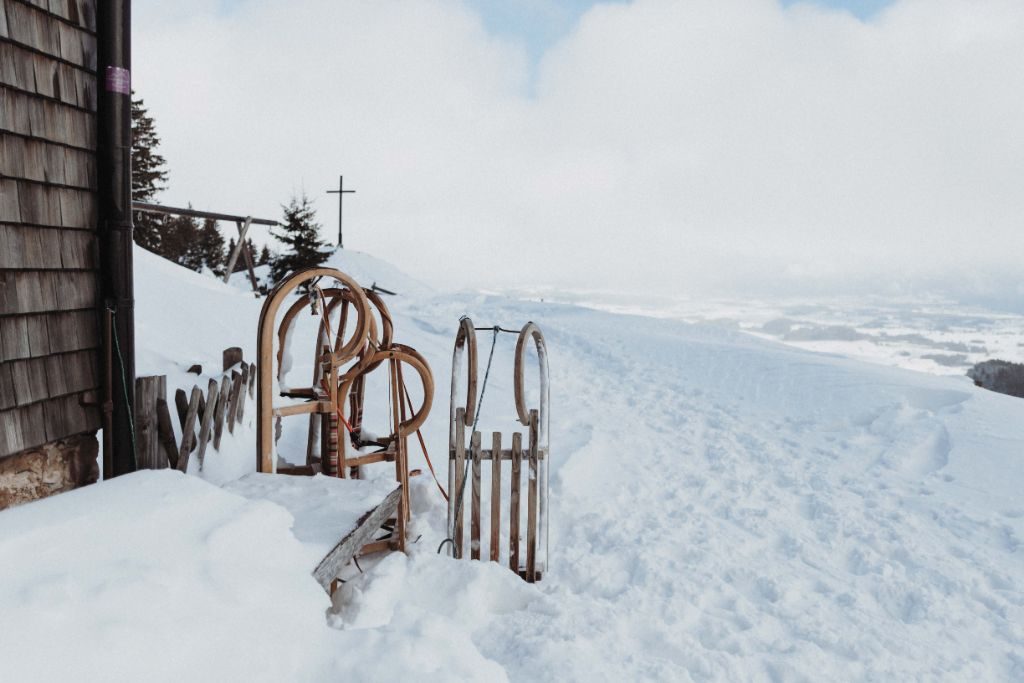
[{"x": 723, "y": 508}]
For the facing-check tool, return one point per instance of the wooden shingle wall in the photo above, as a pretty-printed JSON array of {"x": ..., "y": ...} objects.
[{"x": 49, "y": 279}]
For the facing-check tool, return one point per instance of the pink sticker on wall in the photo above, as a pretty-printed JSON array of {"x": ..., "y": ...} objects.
[{"x": 119, "y": 80}]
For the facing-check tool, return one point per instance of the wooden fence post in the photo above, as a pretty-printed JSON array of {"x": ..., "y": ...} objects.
[
  {"x": 218, "y": 415},
  {"x": 188, "y": 429},
  {"x": 207, "y": 423},
  {"x": 166, "y": 431},
  {"x": 231, "y": 357},
  {"x": 240, "y": 409},
  {"x": 236, "y": 387},
  {"x": 149, "y": 455}
]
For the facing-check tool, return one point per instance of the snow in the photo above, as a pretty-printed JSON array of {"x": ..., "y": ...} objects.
[
  {"x": 324, "y": 509},
  {"x": 156, "y": 576},
  {"x": 723, "y": 507}
]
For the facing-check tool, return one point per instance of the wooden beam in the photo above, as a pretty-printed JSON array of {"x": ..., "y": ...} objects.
[
  {"x": 330, "y": 566},
  {"x": 531, "y": 502},
  {"x": 474, "y": 539},
  {"x": 513, "y": 508},
  {"x": 188, "y": 429},
  {"x": 495, "y": 535}
]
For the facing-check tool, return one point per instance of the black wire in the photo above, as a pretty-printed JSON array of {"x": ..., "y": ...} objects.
[
  {"x": 124, "y": 386},
  {"x": 497, "y": 328}
]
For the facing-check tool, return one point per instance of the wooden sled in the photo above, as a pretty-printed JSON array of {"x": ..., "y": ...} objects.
[
  {"x": 534, "y": 458},
  {"x": 336, "y": 443}
]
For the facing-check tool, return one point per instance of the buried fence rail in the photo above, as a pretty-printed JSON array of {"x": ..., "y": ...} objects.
[{"x": 202, "y": 414}]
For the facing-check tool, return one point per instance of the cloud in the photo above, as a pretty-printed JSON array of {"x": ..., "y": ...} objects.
[{"x": 697, "y": 146}]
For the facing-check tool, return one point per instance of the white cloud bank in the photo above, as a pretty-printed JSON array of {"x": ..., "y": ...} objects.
[{"x": 709, "y": 144}]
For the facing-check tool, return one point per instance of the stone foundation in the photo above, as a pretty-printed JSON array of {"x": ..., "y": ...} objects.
[{"x": 55, "y": 467}]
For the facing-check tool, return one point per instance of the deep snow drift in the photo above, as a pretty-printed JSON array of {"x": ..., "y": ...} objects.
[{"x": 722, "y": 508}]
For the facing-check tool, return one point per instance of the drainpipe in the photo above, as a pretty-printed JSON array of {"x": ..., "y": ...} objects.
[{"x": 114, "y": 175}]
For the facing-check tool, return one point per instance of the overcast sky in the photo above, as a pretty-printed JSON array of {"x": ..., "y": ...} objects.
[{"x": 693, "y": 146}]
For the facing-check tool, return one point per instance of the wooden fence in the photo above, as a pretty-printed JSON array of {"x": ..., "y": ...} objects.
[{"x": 202, "y": 416}]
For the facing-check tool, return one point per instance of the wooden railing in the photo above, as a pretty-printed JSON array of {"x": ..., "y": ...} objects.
[{"x": 202, "y": 416}]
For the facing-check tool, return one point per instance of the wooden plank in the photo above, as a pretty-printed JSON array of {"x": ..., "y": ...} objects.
[
  {"x": 458, "y": 492},
  {"x": 513, "y": 507},
  {"x": 474, "y": 539},
  {"x": 11, "y": 439},
  {"x": 66, "y": 416},
  {"x": 218, "y": 415},
  {"x": 71, "y": 373},
  {"x": 302, "y": 409},
  {"x": 12, "y": 158},
  {"x": 188, "y": 429},
  {"x": 165, "y": 432},
  {"x": 29, "y": 380},
  {"x": 86, "y": 14},
  {"x": 202, "y": 406},
  {"x": 148, "y": 452},
  {"x": 495, "y": 534},
  {"x": 40, "y": 204},
  {"x": 56, "y": 375},
  {"x": 25, "y": 247},
  {"x": 10, "y": 206},
  {"x": 365, "y": 528},
  {"x": 17, "y": 68},
  {"x": 33, "y": 423},
  {"x": 47, "y": 120},
  {"x": 8, "y": 399},
  {"x": 46, "y": 291},
  {"x": 379, "y": 546},
  {"x": 207, "y": 424},
  {"x": 5, "y": 31},
  {"x": 240, "y": 408},
  {"x": 232, "y": 409},
  {"x": 531, "y": 510},
  {"x": 79, "y": 249},
  {"x": 14, "y": 338},
  {"x": 252, "y": 380},
  {"x": 29, "y": 26},
  {"x": 231, "y": 357},
  {"x": 45, "y": 334},
  {"x": 181, "y": 405},
  {"x": 65, "y": 331}
]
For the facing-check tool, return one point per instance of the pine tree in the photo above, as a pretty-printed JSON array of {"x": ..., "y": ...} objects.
[
  {"x": 210, "y": 245},
  {"x": 180, "y": 242},
  {"x": 265, "y": 257},
  {"x": 148, "y": 176},
  {"x": 301, "y": 235}
]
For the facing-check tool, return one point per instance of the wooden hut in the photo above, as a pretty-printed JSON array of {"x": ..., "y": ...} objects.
[{"x": 54, "y": 277}]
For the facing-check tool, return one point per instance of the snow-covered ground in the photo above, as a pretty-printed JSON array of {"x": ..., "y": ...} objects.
[
  {"x": 723, "y": 507},
  {"x": 928, "y": 335}
]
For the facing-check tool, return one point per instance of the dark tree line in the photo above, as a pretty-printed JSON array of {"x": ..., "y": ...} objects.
[{"x": 201, "y": 246}]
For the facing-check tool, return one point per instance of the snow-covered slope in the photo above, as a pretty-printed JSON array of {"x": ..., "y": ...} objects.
[{"x": 723, "y": 508}]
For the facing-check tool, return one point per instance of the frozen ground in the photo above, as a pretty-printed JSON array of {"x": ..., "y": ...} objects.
[{"x": 724, "y": 507}]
